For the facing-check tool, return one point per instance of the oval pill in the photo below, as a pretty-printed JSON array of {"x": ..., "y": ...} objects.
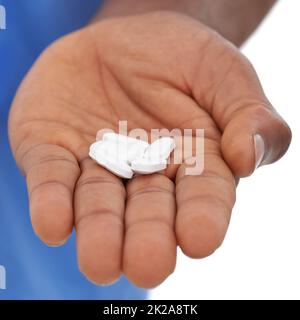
[
  {"x": 104, "y": 155},
  {"x": 160, "y": 149},
  {"x": 120, "y": 169},
  {"x": 130, "y": 148},
  {"x": 111, "y": 136},
  {"x": 145, "y": 166}
]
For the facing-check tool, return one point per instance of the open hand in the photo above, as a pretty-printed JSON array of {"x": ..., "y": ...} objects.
[{"x": 158, "y": 70}]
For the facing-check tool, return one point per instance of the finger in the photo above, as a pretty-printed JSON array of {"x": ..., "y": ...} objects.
[
  {"x": 253, "y": 132},
  {"x": 253, "y": 137},
  {"x": 99, "y": 211},
  {"x": 150, "y": 244},
  {"x": 204, "y": 204},
  {"x": 51, "y": 174}
]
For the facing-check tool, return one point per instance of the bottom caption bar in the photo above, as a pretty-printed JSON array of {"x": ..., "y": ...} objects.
[{"x": 134, "y": 309}]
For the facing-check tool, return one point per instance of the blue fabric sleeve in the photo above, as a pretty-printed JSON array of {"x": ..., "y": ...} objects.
[{"x": 33, "y": 270}]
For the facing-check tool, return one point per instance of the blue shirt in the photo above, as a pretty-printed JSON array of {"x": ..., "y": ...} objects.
[{"x": 33, "y": 270}]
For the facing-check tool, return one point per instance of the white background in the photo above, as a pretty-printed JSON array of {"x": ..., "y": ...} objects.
[{"x": 260, "y": 258}]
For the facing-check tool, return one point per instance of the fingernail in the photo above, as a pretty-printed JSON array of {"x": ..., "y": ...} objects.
[
  {"x": 259, "y": 147},
  {"x": 55, "y": 245},
  {"x": 103, "y": 284}
]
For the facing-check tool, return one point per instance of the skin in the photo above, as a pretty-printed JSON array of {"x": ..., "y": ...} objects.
[
  {"x": 235, "y": 20},
  {"x": 155, "y": 70}
]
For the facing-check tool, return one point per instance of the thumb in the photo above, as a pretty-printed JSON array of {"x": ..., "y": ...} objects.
[
  {"x": 253, "y": 133},
  {"x": 254, "y": 136}
]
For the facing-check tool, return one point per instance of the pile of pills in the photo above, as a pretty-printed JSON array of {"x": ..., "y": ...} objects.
[{"x": 125, "y": 156}]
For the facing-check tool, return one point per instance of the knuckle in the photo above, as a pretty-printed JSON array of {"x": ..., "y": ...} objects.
[
  {"x": 86, "y": 183},
  {"x": 151, "y": 183},
  {"x": 41, "y": 154},
  {"x": 259, "y": 111}
]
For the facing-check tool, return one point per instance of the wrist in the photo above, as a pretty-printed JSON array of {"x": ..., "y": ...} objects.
[
  {"x": 234, "y": 20},
  {"x": 114, "y": 8}
]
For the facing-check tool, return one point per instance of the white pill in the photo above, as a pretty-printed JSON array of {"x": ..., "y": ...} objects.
[
  {"x": 160, "y": 149},
  {"x": 124, "y": 155},
  {"x": 104, "y": 155},
  {"x": 111, "y": 136},
  {"x": 99, "y": 149},
  {"x": 120, "y": 169},
  {"x": 96, "y": 147},
  {"x": 148, "y": 166},
  {"x": 118, "y": 152},
  {"x": 135, "y": 151},
  {"x": 127, "y": 152},
  {"x": 126, "y": 147}
]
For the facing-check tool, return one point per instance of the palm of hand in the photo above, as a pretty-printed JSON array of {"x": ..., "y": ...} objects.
[{"x": 127, "y": 69}]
